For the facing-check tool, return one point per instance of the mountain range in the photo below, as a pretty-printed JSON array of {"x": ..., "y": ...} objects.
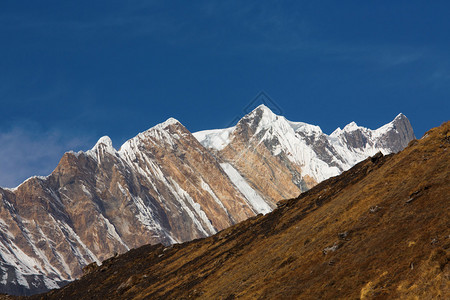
[
  {"x": 167, "y": 185},
  {"x": 378, "y": 231}
]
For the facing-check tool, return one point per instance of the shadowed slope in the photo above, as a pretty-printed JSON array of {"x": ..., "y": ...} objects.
[{"x": 379, "y": 230}]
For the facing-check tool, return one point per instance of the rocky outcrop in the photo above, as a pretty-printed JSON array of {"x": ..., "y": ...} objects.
[{"x": 163, "y": 186}]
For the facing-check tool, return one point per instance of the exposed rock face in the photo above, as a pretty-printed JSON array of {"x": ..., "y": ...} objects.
[
  {"x": 281, "y": 159},
  {"x": 164, "y": 186},
  {"x": 397, "y": 135},
  {"x": 377, "y": 231}
]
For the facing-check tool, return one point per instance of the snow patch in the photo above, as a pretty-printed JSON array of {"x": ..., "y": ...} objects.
[
  {"x": 21, "y": 280},
  {"x": 85, "y": 190},
  {"x": 50, "y": 283},
  {"x": 216, "y": 139},
  {"x": 146, "y": 216},
  {"x": 69, "y": 232},
  {"x": 112, "y": 233},
  {"x": 254, "y": 199},
  {"x": 196, "y": 214},
  {"x": 207, "y": 188}
]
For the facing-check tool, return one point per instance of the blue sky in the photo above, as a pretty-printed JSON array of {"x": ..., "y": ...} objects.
[{"x": 73, "y": 71}]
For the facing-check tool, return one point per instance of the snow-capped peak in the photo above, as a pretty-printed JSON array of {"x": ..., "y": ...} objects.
[
  {"x": 267, "y": 118},
  {"x": 266, "y": 111},
  {"x": 399, "y": 116},
  {"x": 389, "y": 126},
  {"x": 161, "y": 126},
  {"x": 263, "y": 107},
  {"x": 156, "y": 134},
  {"x": 104, "y": 140},
  {"x": 352, "y": 126},
  {"x": 260, "y": 118},
  {"x": 261, "y": 112},
  {"x": 103, "y": 145},
  {"x": 168, "y": 122},
  {"x": 336, "y": 132}
]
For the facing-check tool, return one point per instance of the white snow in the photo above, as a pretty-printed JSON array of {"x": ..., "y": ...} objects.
[
  {"x": 4, "y": 229},
  {"x": 85, "y": 190},
  {"x": 293, "y": 145},
  {"x": 57, "y": 254},
  {"x": 197, "y": 215},
  {"x": 305, "y": 128},
  {"x": 156, "y": 134},
  {"x": 50, "y": 284},
  {"x": 293, "y": 139},
  {"x": 207, "y": 188},
  {"x": 102, "y": 147},
  {"x": 214, "y": 139},
  {"x": 106, "y": 142},
  {"x": 352, "y": 126},
  {"x": 15, "y": 257},
  {"x": 112, "y": 233},
  {"x": 4, "y": 276},
  {"x": 21, "y": 279},
  {"x": 254, "y": 199},
  {"x": 145, "y": 215},
  {"x": 385, "y": 128},
  {"x": 168, "y": 122},
  {"x": 124, "y": 192},
  {"x": 69, "y": 232}
]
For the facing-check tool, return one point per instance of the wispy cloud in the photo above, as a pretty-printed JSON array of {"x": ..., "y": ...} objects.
[{"x": 26, "y": 151}]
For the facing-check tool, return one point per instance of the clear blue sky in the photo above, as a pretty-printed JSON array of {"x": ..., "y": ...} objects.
[{"x": 72, "y": 71}]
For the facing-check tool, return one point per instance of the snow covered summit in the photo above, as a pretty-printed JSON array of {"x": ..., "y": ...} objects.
[{"x": 317, "y": 155}]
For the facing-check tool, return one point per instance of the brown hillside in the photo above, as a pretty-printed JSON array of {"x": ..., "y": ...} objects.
[{"x": 380, "y": 230}]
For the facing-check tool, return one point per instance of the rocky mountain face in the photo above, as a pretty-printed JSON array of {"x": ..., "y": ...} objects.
[
  {"x": 281, "y": 159},
  {"x": 167, "y": 186},
  {"x": 377, "y": 231}
]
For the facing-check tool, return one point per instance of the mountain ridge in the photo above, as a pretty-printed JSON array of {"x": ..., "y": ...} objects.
[
  {"x": 161, "y": 186},
  {"x": 376, "y": 231}
]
